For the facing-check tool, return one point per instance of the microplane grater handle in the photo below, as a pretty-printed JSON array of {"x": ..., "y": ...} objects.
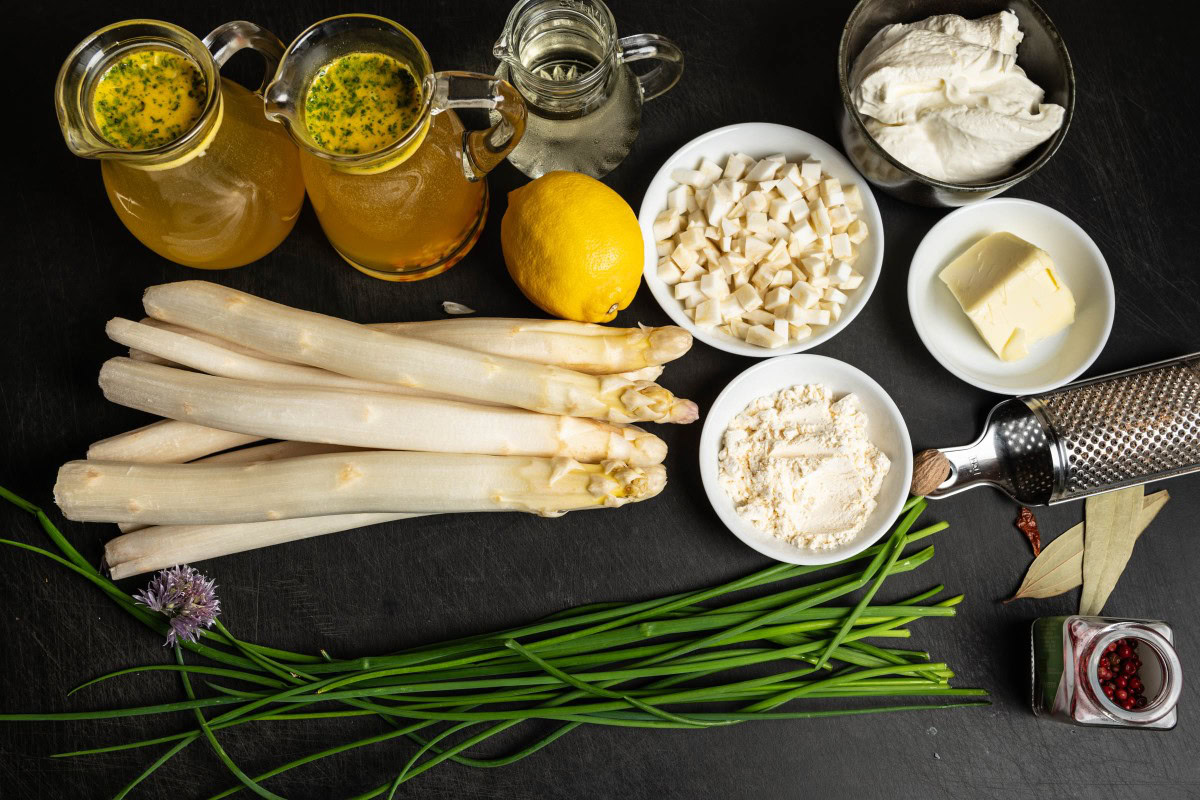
[{"x": 1123, "y": 429}]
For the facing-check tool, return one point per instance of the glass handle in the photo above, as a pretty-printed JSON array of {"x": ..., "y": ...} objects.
[
  {"x": 482, "y": 150},
  {"x": 666, "y": 73},
  {"x": 231, "y": 37}
]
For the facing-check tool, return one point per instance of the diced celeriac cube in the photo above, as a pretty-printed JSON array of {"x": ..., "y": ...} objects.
[
  {"x": 756, "y": 222},
  {"x": 789, "y": 191},
  {"x": 666, "y": 225},
  {"x": 763, "y": 170},
  {"x": 690, "y": 204},
  {"x": 692, "y": 302},
  {"x": 693, "y": 272},
  {"x": 776, "y": 298},
  {"x": 785, "y": 277},
  {"x": 768, "y": 187},
  {"x": 731, "y": 308},
  {"x": 831, "y": 192},
  {"x": 668, "y": 272},
  {"x": 791, "y": 173},
  {"x": 834, "y": 295},
  {"x": 834, "y": 309},
  {"x": 778, "y": 257},
  {"x": 852, "y": 198},
  {"x": 714, "y": 286},
  {"x": 800, "y": 332},
  {"x": 708, "y": 314},
  {"x": 857, "y": 231},
  {"x": 802, "y": 232},
  {"x": 755, "y": 200},
  {"x": 718, "y": 204},
  {"x": 685, "y": 289},
  {"x": 712, "y": 234},
  {"x": 677, "y": 199},
  {"x": 841, "y": 272},
  {"x": 748, "y": 296},
  {"x": 763, "y": 336},
  {"x": 730, "y": 227},
  {"x": 711, "y": 253},
  {"x": 692, "y": 239},
  {"x": 814, "y": 316},
  {"x": 690, "y": 177},
  {"x": 684, "y": 256},
  {"x": 696, "y": 219},
  {"x": 817, "y": 281},
  {"x": 736, "y": 165},
  {"x": 755, "y": 248},
  {"x": 805, "y": 295},
  {"x": 739, "y": 280},
  {"x": 701, "y": 197},
  {"x": 820, "y": 218},
  {"x": 738, "y": 210},
  {"x": 840, "y": 246},
  {"x": 762, "y": 278},
  {"x": 759, "y": 316},
  {"x": 853, "y": 282},
  {"x": 781, "y": 329},
  {"x": 813, "y": 265},
  {"x": 710, "y": 170},
  {"x": 778, "y": 230},
  {"x": 840, "y": 216},
  {"x": 738, "y": 328},
  {"x": 662, "y": 249},
  {"x": 780, "y": 209},
  {"x": 810, "y": 172}
]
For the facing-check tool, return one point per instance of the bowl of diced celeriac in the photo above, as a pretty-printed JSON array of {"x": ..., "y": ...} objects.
[{"x": 761, "y": 239}]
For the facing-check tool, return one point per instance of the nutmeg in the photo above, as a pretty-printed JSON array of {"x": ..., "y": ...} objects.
[{"x": 930, "y": 470}]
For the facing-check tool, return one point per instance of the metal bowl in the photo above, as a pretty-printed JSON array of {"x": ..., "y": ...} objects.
[{"x": 1042, "y": 55}]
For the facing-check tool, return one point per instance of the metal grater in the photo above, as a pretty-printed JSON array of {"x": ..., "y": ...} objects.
[{"x": 1089, "y": 437}]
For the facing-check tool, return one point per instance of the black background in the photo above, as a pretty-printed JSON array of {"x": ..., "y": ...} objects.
[{"x": 1127, "y": 173}]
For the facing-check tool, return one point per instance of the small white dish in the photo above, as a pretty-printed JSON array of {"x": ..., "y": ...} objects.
[
  {"x": 761, "y": 139},
  {"x": 952, "y": 339},
  {"x": 886, "y": 429}
]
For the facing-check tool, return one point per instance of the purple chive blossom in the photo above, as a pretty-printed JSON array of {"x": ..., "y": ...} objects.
[{"x": 186, "y": 598}]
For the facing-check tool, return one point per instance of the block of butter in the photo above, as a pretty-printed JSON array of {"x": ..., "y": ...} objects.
[{"x": 1011, "y": 292}]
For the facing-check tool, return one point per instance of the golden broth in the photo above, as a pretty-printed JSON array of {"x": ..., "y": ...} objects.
[{"x": 147, "y": 99}]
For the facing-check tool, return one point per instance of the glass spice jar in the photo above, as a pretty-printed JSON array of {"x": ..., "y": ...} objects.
[{"x": 1075, "y": 657}]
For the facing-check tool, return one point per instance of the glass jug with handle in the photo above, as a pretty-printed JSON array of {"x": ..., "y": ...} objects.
[
  {"x": 585, "y": 103},
  {"x": 396, "y": 181},
  {"x": 190, "y": 164}
]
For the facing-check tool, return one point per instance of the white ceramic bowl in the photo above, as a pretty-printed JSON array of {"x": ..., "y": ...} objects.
[
  {"x": 886, "y": 429},
  {"x": 951, "y": 337},
  {"x": 761, "y": 139}
]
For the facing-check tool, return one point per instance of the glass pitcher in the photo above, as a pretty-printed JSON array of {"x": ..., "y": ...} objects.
[
  {"x": 396, "y": 181},
  {"x": 217, "y": 185},
  {"x": 585, "y": 104}
]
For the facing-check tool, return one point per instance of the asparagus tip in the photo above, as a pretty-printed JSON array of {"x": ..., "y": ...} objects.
[{"x": 668, "y": 343}]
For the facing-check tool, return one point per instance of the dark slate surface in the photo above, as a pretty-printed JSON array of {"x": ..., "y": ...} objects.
[{"x": 1127, "y": 174}]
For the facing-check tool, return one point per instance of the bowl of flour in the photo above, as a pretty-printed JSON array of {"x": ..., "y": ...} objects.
[{"x": 806, "y": 459}]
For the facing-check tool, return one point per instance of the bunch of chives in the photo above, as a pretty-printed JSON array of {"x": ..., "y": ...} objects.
[{"x": 688, "y": 660}]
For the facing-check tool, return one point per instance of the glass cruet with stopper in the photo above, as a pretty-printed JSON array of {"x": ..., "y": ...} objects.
[
  {"x": 190, "y": 164},
  {"x": 585, "y": 103},
  {"x": 396, "y": 181}
]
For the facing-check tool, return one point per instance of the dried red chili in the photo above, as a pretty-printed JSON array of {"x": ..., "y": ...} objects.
[{"x": 1027, "y": 524}]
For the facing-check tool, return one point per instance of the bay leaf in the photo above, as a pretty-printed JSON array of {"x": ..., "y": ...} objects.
[
  {"x": 1107, "y": 544},
  {"x": 1059, "y": 568}
]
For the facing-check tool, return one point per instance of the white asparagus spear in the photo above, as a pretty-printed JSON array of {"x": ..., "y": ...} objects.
[
  {"x": 159, "y": 546},
  {"x": 345, "y": 483},
  {"x": 581, "y": 346},
  {"x": 263, "y": 452},
  {"x": 369, "y": 419},
  {"x": 358, "y": 351},
  {"x": 206, "y": 337},
  {"x": 176, "y": 349},
  {"x": 167, "y": 442}
]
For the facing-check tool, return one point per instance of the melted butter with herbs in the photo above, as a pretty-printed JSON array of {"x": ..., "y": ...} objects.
[
  {"x": 361, "y": 102},
  {"x": 148, "y": 99}
]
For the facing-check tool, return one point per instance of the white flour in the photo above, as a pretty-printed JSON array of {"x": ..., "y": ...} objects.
[{"x": 800, "y": 467}]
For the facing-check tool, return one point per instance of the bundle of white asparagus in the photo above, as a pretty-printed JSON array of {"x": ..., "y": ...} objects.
[{"x": 377, "y": 423}]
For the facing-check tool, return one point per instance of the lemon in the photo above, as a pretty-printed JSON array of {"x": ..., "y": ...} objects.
[{"x": 573, "y": 246}]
